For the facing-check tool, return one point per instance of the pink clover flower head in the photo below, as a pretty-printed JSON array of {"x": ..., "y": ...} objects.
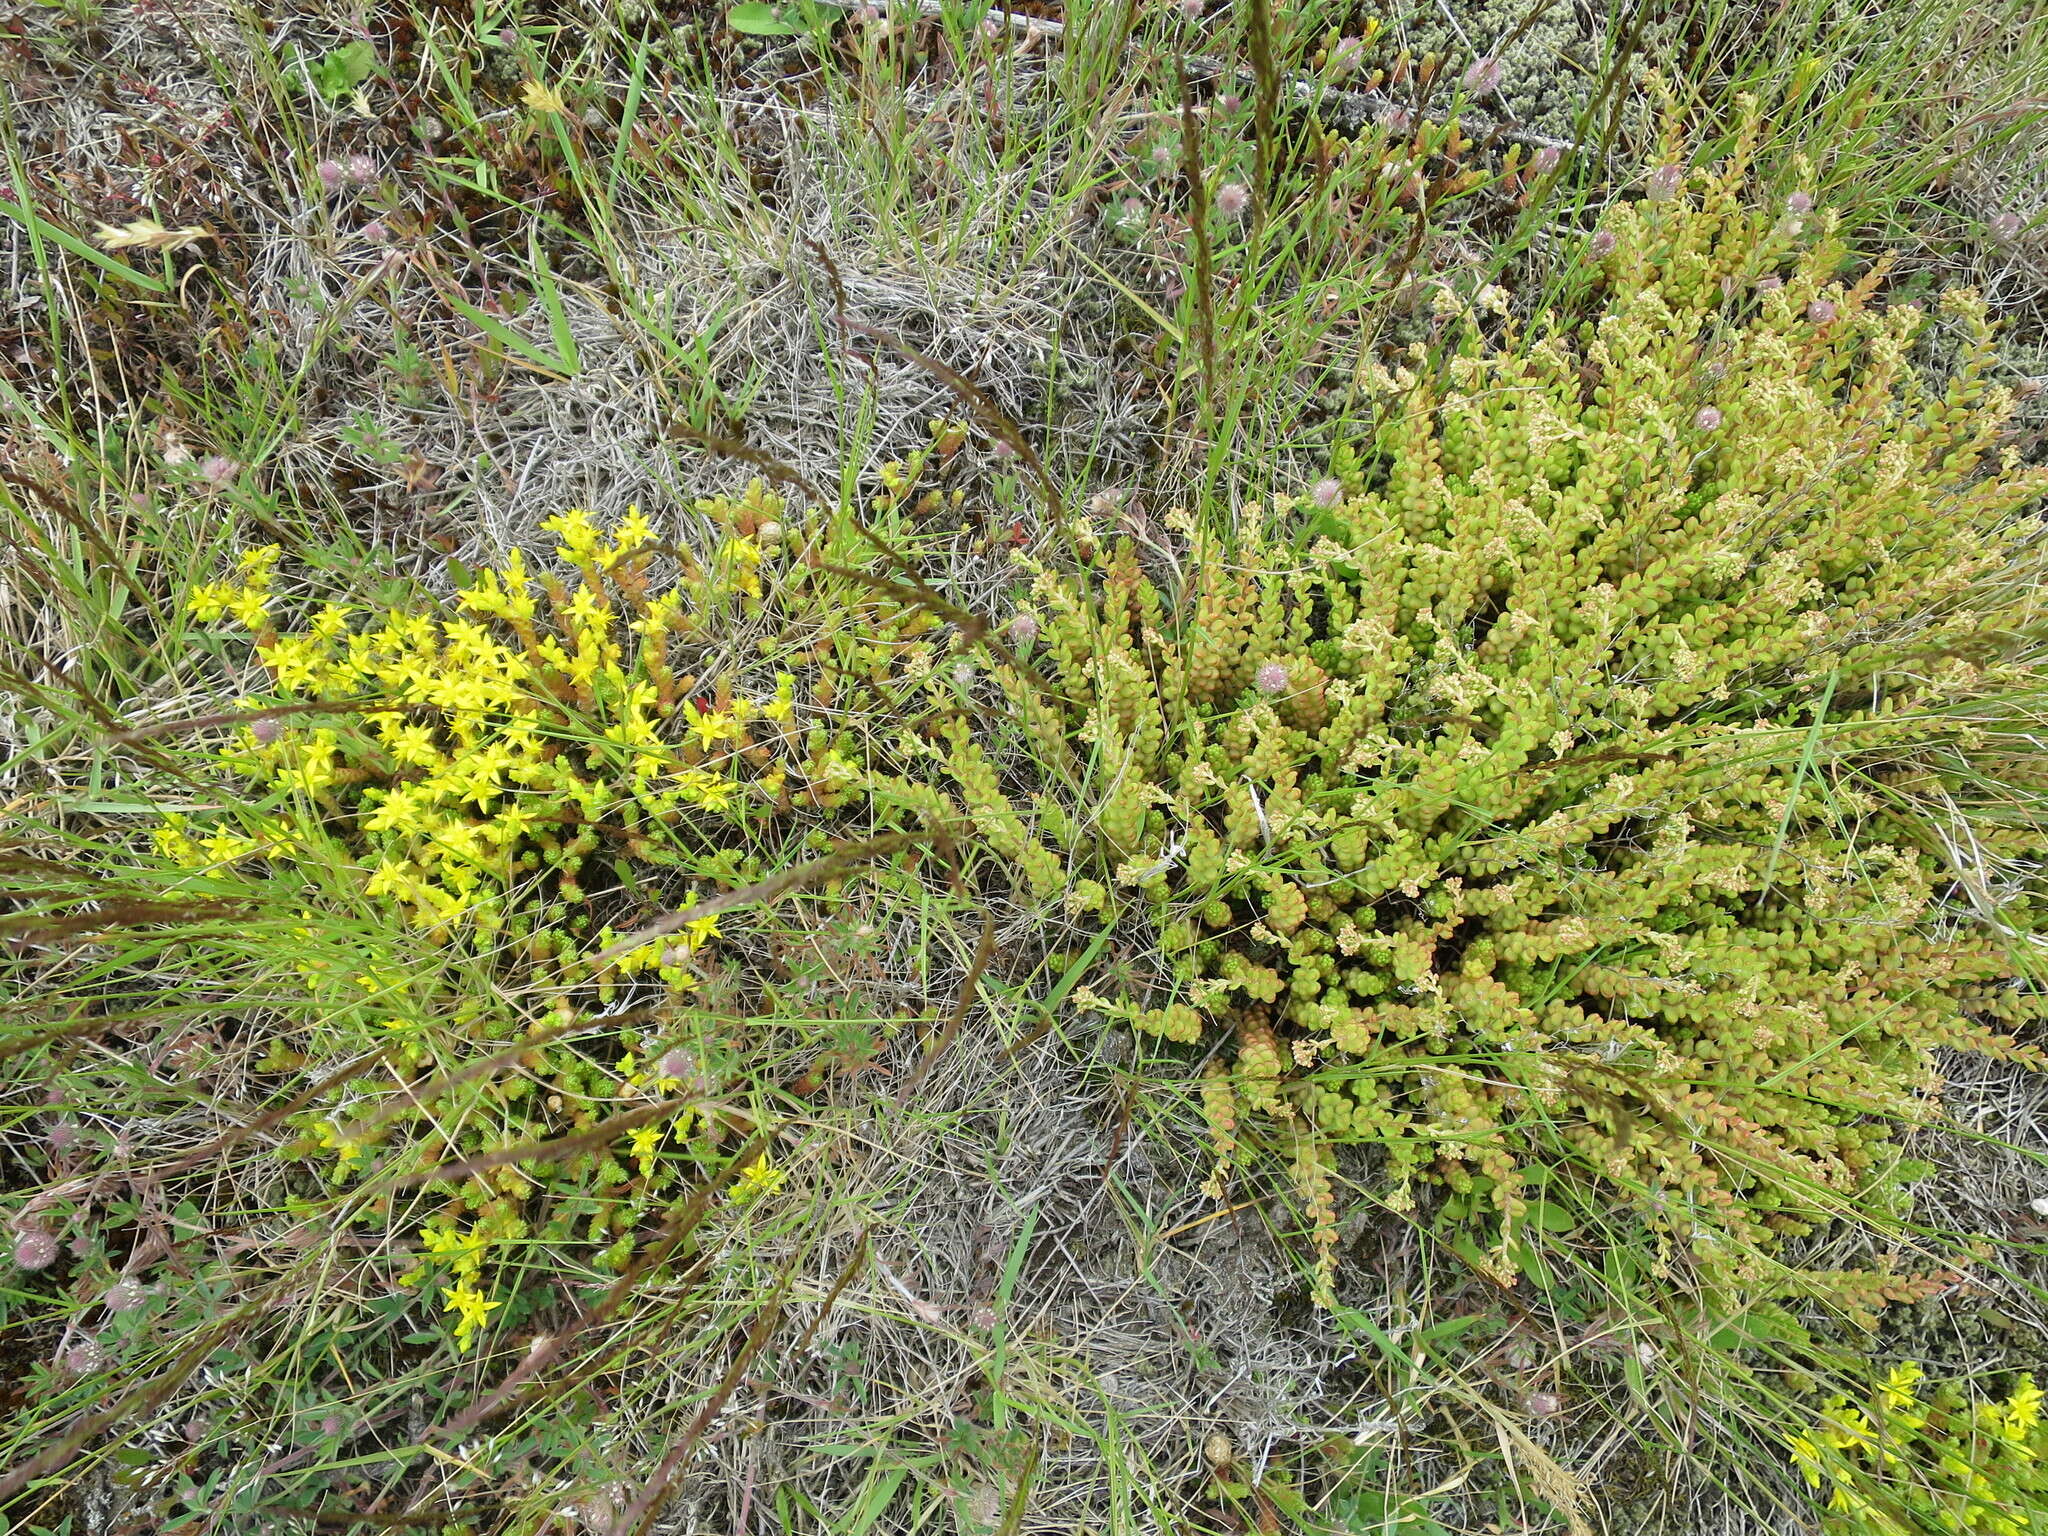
[
  {"x": 1546, "y": 160},
  {"x": 1326, "y": 493},
  {"x": 1229, "y": 102},
  {"x": 1664, "y": 182},
  {"x": 85, "y": 1357},
  {"x": 1707, "y": 419},
  {"x": 1191, "y": 9},
  {"x": 1543, "y": 1405},
  {"x": 375, "y": 232},
  {"x": 1347, "y": 55},
  {"x": 1603, "y": 245},
  {"x": 34, "y": 1247},
  {"x": 362, "y": 170},
  {"x": 2006, "y": 226},
  {"x": 1821, "y": 311},
  {"x": 266, "y": 730},
  {"x": 124, "y": 1295},
  {"x": 1271, "y": 677},
  {"x": 1484, "y": 76},
  {"x": 1769, "y": 284},
  {"x": 1022, "y": 629},
  {"x": 332, "y": 174},
  {"x": 1232, "y": 198},
  {"x": 1799, "y": 204},
  {"x": 217, "y": 469}
]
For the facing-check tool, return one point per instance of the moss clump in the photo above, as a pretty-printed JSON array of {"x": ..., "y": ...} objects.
[{"x": 1608, "y": 771}]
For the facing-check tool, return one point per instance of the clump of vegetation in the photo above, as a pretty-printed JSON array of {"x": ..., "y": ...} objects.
[
  {"x": 527, "y": 737},
  {"x": 512, "y": 781},
  {"x": 1906, "y": 1459},
  {"x": 1615, "y": 766}
]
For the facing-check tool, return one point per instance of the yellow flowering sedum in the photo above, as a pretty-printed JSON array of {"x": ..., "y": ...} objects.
[
  {"x": 518, "y": 778},
  {"x": 1910, "y": 1462},
  {"x": 470, "y": 1310},
  {"x": 518, "y": 739}
]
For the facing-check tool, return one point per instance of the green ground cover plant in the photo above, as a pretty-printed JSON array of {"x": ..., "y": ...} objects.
[
  {"x": 1574, "y": 774},
  {"x": 1287, "y": 778}
]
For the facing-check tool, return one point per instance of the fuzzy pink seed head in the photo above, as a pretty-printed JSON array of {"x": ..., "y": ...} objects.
[
  {"x": 1192, "y": 9},
  {"x": 362, "y": 170},
  {"x": 2006, "y": 226},
  {"x": 375, "y": 232},
  {"x": 124, "y": 1295},
  {"x": 1769, "y": 284},
  {"x": 1326, "y": 493},
  {"x": 1707, "y": 419},
  {"x": 1271, "y": 677},
  {"x": 1003, "y": 448},
  {"x": 1820, "y": 311},
  {"x": 1543, "y": 1405},
  {"x": 61, "y": 1137},
  {"x": 1604, "y": 242},
  {"x": 1546, "y": 160},
  {"x": 1229, "y": 102},
  {"x": 85, "y": 1357},
  {"x": 1347, "y": 55},
  {"x": 218, "y": 469},
  {"x": 266, "y": 730},
  {"x": 1664, "y": 182},
  {"x": 1799, "y": 204},
  {"x": 332, "y": 174},
  {"x": 1022, "y": 629},
  {"x": 34, "y": 1247},
  {"x": 1483, "y": 77},
  {"x": 1232, "y": 198}
]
